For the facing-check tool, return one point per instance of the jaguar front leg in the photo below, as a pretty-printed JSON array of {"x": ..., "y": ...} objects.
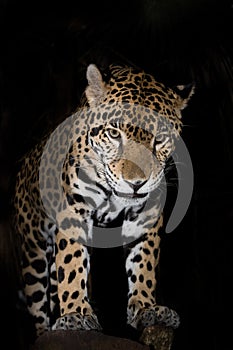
[
  {"x": 34, "y": 272},
  {"x": 72, "y": 263},
  {"x": 141, "y": 263}
]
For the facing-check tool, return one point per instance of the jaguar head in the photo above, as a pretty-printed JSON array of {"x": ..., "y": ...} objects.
[{"x": 133, "y": 138}]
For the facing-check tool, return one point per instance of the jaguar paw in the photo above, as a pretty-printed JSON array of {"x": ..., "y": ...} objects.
[
  {"x": 155, "y": 315},
  {"x": 166, "y": 316},
  {"x": 77, "y": 321}
]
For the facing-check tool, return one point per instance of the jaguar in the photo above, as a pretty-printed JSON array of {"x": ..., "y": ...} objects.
[{"x": 101, "y": 168}]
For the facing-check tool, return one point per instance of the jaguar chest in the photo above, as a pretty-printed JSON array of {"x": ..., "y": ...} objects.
[{"x": 113, "y": 212}]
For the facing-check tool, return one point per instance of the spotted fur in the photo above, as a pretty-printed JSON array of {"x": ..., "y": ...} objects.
[{"x": 102, "y": 165}]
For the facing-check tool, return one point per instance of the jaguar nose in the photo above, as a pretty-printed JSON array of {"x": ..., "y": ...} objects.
[{"x": 135, "y": 184}]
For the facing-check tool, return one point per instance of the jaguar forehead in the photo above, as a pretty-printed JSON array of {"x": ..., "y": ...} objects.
[{"x": 124, "y": 114}]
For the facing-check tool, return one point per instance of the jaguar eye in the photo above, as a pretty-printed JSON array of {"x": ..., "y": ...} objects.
[
  {"x": 160, "y": 142},
  {"x": 114, "y": 134}
]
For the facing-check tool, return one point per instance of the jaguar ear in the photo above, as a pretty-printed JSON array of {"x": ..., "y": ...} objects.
[
  {"x": 96, "y": 89},
  {"x": 184, "y": 93}
]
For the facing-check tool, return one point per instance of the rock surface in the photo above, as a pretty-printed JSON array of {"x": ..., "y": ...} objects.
[
  {"x": 155, "y": 337},
  {"x": 84, "y": 340}
]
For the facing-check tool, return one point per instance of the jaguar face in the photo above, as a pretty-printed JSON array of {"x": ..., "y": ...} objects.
[{"x": 128, "y": 154}]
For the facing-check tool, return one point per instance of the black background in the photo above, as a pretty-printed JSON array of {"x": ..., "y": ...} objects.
[{"x": 45, "y": 49}]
